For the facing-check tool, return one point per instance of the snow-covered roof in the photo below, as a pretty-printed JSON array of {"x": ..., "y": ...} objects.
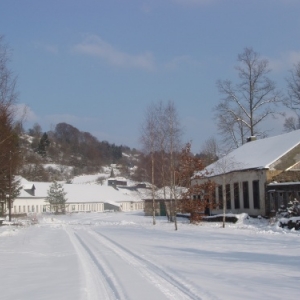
[
  {"x": 78, "y": 193},
  {"x": 118, "y": 178},
  {"x": 259, "y": 154}
]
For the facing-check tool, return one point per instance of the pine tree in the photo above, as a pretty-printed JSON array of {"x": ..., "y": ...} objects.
[
  {"x": 43, "y": 144},
  {"x": 56, "y": 198}
]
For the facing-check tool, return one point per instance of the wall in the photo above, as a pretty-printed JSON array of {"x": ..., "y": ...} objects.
[{"x": 240, "y": 177}]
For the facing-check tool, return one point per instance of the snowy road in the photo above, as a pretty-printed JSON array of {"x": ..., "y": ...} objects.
[
  {"x": 117, "y": 268},
  {"x": 123, "y": 256}
]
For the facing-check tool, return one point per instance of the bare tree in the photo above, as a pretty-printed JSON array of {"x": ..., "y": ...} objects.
[
  {"x": 247, "y": 103},
  {"x": 293, "y": 84},
  {"x": 293, "y": 99},
  {"x": 291, "y": 123},
  {"x": 174, "y": 132},
  {"x": 148, "y": 139},
  {"x": 209, "y": 151},
  {"x": 162, "y": 143},
  {"x": 160, "y": 136}
]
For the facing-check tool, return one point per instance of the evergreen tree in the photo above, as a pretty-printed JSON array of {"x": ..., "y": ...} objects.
[
  {"x": 43, "y": 144},
  {"x": 56, "y": 198}
]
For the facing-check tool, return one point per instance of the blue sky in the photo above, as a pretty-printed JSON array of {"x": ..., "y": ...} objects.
[{"x": 97, "y": 65}]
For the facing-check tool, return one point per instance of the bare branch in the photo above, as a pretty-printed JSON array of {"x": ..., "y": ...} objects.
[{"x": 249, "y": 102}]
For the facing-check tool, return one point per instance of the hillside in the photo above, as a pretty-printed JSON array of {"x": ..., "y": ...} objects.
[{"x": 66, "y": 152}]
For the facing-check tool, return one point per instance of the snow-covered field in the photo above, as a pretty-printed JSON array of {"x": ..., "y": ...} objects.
[{"x": 123, "y": 256}]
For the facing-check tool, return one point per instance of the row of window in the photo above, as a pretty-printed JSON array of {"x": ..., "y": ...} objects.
[
  {"x": 29, "y": 208},
  {"x": 240, "y": 194},
  {"x": 87, "y": 207},
  {"x": 74, "y": 207},
  {"x": 43, "y": 208}
]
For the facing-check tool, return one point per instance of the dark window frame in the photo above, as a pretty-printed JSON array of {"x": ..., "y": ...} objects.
[
  {"x": 236, "y": 195},
  {"x": 246, "y": 194},
  {"x": 256, "y": 194}
]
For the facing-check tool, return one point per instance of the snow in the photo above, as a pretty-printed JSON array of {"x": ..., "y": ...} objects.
[
  {"x": 87, "y": 179},
  {"x": 124, "y": 256},
  {"x": 83, "y": 190},
  {"x": 257, "y": 154}
]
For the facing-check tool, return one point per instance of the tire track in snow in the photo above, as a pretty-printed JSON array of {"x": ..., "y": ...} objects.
[
  {"x": 103, "y": 269},
  {"x": 172, "y": 286},
  {"x": 98, "y": 284}
]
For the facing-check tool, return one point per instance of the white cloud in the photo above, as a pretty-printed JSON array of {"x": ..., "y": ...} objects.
[
  {"x": 95, "y": 46},
  {"x": 24, "y": 113}
]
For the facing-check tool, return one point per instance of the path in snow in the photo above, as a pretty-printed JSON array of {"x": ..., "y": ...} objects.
[
  {"x": 123, "y": 256},
  {"x": 122, "y": 273}
]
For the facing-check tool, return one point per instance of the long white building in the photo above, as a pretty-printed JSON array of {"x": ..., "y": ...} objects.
[{"x": 80, "y": 198}]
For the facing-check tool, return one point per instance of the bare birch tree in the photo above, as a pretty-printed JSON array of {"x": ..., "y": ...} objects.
[
  {"x": 160, "y": 137},
  {"x": 174, "y": 131},
  {"x": 293, "y": 84},
  {"x": 247, "y": 104},
  {"x": 149, "y": 142},
  {"x": 293, "y": 100},
  {"x": 162, "y": 150}
]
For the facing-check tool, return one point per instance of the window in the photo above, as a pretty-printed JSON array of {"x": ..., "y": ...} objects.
[
  {"x": 228, "y": 197},
  {"x": 19, "y": 208},
  {"x": 73, "y": 207},
  {"x": 220, "y": 191},
  {"x": 28, "y": 208},
  {"x": 37, "y": 208},
  {"x": 256, "y": 199},
  {"x": 24, "y": 208},
  {"x": 236, "y": 195},
  {"x": 246, "y": 194},
  {"x": 44, "y": 208},
  {"x": 32, "y": 208}
]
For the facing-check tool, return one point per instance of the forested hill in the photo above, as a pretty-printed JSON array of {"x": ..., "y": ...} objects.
[{"x": 69, "y": 147}]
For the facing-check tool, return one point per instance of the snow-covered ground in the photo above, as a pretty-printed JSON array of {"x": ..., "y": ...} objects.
[{"x": 123, "y": 256}]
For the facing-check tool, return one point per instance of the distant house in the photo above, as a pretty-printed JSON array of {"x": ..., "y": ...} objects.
[
  {"x": 117, "y": 181},
  {"x": 247, "y": 174},
  {"x": 80, "y": 198},
  {"x": 164, "y": 201}
]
